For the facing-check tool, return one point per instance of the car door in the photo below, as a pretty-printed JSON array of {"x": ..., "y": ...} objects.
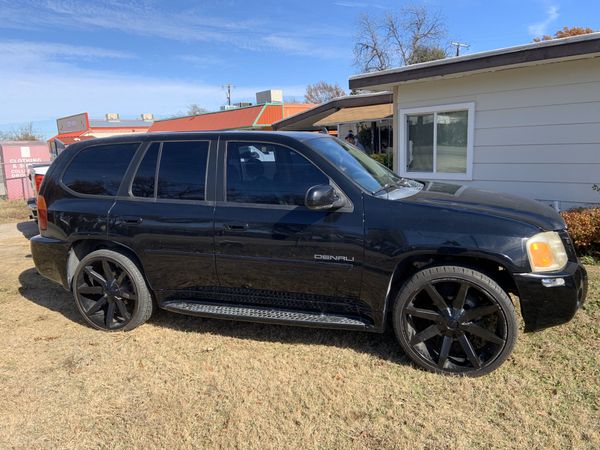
[
  {"x": 165, "y": 216},
  {"x": 268, "y": 243}
]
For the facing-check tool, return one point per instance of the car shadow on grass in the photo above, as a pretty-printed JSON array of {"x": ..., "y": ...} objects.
[{"x": 43, "y": 292}]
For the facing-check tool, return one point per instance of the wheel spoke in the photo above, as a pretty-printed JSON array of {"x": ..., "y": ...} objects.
[
  {"x": 445, "y": 351},
  {"x": 122, "y": 309},
  {"x": 461, "y": 296},
  {"x": 423, "y": 313},
  {"x": 467, "y": 347},
  {"x": 436, "y": 297},
  {"x": 484, "y": 334},
  {"x": 96, "y": 306},
  {"x": 128, "y": 295},
  {"x": 110, "y": 315},
  {"x": 95, "y": 276},
  {"x": 476, "y": 313},
  {"x": 108, "y": 273},
  {"x": 88, "y": 290},
  {"x": 121, "y": 277},
  {"x": 424, "y": 335}
]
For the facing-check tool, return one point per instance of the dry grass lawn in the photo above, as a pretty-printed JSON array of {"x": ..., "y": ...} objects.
[
  {"x": 12, "y": 211},
  {"x": 180, "y": 382}
]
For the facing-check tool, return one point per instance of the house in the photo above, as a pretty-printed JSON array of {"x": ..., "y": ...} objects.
[
  {"x": 269, "y": 108},
  {"x": 523, "y": 120},
  {"x": 80, "y": 127},
  {"x": 367, "y": 115}
]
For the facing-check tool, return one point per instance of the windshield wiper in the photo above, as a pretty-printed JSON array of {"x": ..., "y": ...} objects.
[{"x": 401, "y": 182}]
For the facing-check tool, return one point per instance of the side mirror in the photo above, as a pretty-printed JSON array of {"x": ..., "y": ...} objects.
[{"x": 322, "y": 197}]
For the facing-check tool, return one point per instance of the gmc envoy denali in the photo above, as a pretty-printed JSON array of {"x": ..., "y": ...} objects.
[{"x": 301, "y": 229}]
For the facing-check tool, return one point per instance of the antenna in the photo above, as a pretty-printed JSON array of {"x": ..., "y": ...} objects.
[
  {"x": 228, "y": 87},
  {"x": 458, "y": 45}
]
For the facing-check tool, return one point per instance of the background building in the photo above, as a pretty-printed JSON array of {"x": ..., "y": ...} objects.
[
  {"x": 523, "y": 120},
  {"x": 80, "y": 127},
  {"x": 270, "y": 108}
]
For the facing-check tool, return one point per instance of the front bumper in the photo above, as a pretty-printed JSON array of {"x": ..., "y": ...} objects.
[
  {"x": 50, "y": 258},
  {"x": 544, "y": 307}
]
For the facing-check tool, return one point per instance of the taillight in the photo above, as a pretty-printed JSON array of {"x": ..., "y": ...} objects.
[
  {"x": 42, "y": 212},
  {"x": 38, "y": 182}
]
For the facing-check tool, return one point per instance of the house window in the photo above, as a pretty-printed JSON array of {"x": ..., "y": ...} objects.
[{"x": 437, "y": 142}]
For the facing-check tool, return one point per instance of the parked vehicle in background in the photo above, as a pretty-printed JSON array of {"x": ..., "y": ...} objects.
[
  {"x": 301, "y": 229},
  {"x": 36, "y": 175}
]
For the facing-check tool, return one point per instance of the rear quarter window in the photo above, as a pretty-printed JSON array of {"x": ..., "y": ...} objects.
[{"x": 99, "y": 169}]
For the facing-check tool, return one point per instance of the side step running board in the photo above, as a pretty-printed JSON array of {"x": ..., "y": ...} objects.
[{"x": 264, "y": 315}]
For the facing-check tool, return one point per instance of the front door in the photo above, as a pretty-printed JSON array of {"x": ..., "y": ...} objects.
[
  {"x": 268, "y": 244},
  {"x": 167, "y": 220}
]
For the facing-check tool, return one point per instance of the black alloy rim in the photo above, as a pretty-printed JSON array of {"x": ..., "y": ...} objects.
[
  {"x": 455, "y": 326},
  {"x": 106, "y": 293}
]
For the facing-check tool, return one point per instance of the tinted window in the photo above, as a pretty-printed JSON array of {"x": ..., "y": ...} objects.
[
  {"x": 182, "y": 170},
  {"x": 143, "y": 183},
  {"x": 99, "y": 170},
  {"x": 269, "y": 174}
]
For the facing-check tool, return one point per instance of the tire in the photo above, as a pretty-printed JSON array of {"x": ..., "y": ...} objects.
[
  {"x": 110, "y": 292},
  {"x": 455, "y": 320}
]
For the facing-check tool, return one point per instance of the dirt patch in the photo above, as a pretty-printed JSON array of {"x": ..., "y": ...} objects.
[{"x": 185, "y": 382}]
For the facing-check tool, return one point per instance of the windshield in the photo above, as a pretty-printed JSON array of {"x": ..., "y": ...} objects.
[{"x": 357, "y": 165}]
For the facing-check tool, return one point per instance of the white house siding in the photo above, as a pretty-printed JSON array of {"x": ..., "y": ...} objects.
[{"x": 537, "y": 129}]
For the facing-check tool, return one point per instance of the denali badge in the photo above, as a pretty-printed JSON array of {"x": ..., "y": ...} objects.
[{"x": 335, "y": 258}]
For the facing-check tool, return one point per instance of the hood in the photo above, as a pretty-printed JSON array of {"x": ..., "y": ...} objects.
[{"x": 463, "y": 198}]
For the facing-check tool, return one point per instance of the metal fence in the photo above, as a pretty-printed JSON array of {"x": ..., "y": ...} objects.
[{"x": 14, "y": 181}]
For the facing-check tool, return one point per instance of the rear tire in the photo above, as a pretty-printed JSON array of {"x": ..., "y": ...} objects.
[
  {"x": 455, "y": 320},
  {"x": 110, "y": 292}
]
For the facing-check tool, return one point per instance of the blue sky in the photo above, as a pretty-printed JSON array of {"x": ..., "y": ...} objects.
[{"x": 62, "y": 57}]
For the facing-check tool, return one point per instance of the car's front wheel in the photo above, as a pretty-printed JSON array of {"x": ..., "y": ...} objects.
[
  {"x": 110, "y": 291},
  {"x": 455, "y": 320}
]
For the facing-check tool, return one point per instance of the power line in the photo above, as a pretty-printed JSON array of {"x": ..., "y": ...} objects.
[{"x": 458, "y": 45}]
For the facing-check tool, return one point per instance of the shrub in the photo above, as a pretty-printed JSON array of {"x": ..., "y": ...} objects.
[
  {"x": 383, "y": 158},
  {"x": 584, "y": 228}
]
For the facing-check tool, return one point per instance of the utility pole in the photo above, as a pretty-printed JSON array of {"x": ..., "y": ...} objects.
[
  {"x": 229, "y": 87},
  {"x": 458, "y": 45}
]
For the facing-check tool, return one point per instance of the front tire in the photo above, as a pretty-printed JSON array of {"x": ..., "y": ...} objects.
[
  {"x": 455, "y": 320},
  {"x": 110, "y": 292}
]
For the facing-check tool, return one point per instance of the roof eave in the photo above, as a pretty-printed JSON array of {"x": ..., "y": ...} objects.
[{"x": 530, "y": 54}]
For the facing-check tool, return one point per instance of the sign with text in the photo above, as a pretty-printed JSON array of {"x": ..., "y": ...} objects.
[
  {"x": 71, "y": 124},
  {"x": 15, "y": 159}
]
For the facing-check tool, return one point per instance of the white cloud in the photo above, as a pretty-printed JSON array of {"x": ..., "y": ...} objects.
[
  {"x": 349, "y": 4},
  {"x": 541, "y": 28},
  {"x": 39, "y": 85},
  {"x": 143, "y": 19}
]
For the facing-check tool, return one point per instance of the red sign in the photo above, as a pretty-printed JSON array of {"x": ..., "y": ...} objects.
[{"x": 15, "y": 159}]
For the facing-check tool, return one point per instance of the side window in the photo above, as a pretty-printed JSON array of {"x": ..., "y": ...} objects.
[
  {"x": 99, "y": 169},
  {"x": 269, "y": 174},
  {"x": 182, "y": 171},
  {"x": 143, "y": 183}
]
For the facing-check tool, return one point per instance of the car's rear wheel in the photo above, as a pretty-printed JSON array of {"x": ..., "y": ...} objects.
[
  {"x": 110, "y": 291},
  {"x": 455, "y": 320}
]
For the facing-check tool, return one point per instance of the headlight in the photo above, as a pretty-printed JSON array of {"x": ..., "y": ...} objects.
[{"x": 546, "y": 252}]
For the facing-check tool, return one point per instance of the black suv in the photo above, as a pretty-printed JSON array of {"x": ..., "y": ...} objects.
[{"x": 301, "y": 229}]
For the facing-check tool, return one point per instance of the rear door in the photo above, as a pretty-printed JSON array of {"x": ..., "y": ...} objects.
[
  {"x": 268, "y": 243},
  {"x": 165, "y": 216}
]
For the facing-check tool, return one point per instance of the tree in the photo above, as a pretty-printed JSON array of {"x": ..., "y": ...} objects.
[
  {"x": 194, "y": 110},
  {"x": 565, "y": 32},
  {"x": 322, "y": 92},
  {"x": 370, "y": 51},
  {"x": 25, "y": 132},
  {"x": 412, "y": 36}
]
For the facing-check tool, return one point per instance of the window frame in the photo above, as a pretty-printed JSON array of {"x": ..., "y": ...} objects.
[
  {"x": 437, "y": 109},
  {"x": 124, "y": 178},
  {"x": 348, "y": 205},
  {"x": 155, "y": 198}
]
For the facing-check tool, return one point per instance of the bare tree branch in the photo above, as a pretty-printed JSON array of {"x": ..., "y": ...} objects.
[
  {"x": 321, "y": 92},
  {"x": 370, "y": 52}
]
